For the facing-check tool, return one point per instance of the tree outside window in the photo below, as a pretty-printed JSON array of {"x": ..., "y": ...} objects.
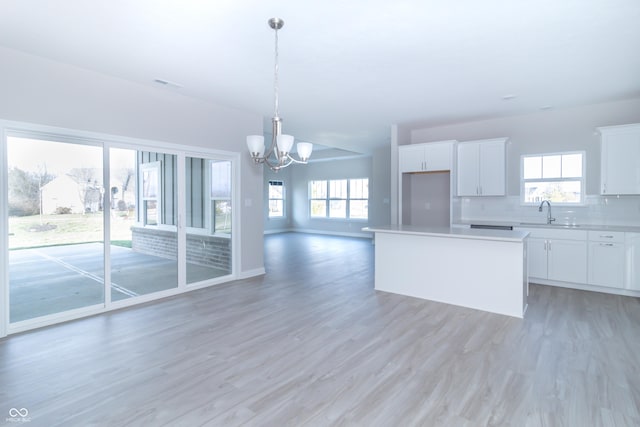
[
  {"x": 318, "y": 202},
  {"x": 557, "y": 177}
]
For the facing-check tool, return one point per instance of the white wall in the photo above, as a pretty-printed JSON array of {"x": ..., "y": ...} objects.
[
  {"x": 541, "y": 132},
  {"x": 39, "y": 91},
  {"x": 296, "y": 178},
  {"x": 337, "y": 169}
]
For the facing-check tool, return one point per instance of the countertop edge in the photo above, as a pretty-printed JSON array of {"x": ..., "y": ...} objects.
[
  {"x": 586, "y": 227},
  {"x": 447, "y": 232}
]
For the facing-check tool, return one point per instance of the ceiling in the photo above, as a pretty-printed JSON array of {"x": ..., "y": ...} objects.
[{"x": 349, "y": 69}]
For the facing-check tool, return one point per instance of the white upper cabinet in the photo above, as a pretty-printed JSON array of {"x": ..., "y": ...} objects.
[
  {"x": 428, "y": 157},
  {"x": 482, "y": 167},
  {"x": 620, "y": 159}
]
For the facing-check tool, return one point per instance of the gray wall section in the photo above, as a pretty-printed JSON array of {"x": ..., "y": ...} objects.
[
  {"x": 380, "y": 187},
  {"x": 44, "y": 92},
  {"x": 543, "y": 132},
  {"x": 426, "y": 199}
]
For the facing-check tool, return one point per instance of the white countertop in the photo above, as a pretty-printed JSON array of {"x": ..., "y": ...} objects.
[
  {"x": 456, "y": 233},
  {"x": 603, "y": 227}
]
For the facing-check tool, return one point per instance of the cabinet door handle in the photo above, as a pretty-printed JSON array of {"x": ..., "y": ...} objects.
[
  {"x": 549, "y": 245},
  {"x": 606, "y": 244},
  {"x": 606, "y": 236},
  {"x": 481, "y": 190},
  {"x": 604, "y": 188}
]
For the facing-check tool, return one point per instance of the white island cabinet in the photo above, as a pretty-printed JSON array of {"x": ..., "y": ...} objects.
[{"x": 480, "y": 269}]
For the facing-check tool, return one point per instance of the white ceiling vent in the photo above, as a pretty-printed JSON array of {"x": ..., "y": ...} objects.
[{"x": 167, "y": 83}]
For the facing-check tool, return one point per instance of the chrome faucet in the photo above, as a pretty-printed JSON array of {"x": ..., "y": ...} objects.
[{"x": 549, "y": 218}]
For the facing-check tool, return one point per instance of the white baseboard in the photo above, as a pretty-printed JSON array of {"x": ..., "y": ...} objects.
[
  {"x": 584, "y": 287},
  {"x": 333, "y": 233},
  {"x": 251, "y": 273},
  {"x": 280, "y": 230}
]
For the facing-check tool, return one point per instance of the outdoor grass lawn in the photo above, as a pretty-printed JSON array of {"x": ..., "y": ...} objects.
[{"x": 49, "y": 230}]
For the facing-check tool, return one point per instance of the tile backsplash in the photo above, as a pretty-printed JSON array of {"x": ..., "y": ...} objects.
[{"x": 600, "y": 210}]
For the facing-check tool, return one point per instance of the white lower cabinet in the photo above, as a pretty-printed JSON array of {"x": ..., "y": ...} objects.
[
  {"x": 537, "y": 256},
  {"x": 606, "y": 259},
  {"x": 558, "y": 259},
  {"x": 558, "y": 254},
  {"x": 599, "y": 258},
  {"x": 567, "y": 260},
  {"x": 632, "y": 246}
]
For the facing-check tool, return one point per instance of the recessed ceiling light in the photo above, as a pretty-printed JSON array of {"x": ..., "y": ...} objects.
[
  {"x": 509, "y": 97},
  {"x": 164, "y": 82}
]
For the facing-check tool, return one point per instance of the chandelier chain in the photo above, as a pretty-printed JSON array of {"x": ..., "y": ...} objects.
[{"x": 275, "y": 78}]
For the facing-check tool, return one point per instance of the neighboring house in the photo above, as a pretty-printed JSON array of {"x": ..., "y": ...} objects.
[{"x": 66, "y": 192}]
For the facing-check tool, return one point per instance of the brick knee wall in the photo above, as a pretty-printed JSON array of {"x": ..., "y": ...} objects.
[{"x": 209, "y": 251}]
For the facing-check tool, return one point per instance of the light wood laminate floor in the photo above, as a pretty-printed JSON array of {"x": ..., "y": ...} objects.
[{"x": 312, "y": 344}]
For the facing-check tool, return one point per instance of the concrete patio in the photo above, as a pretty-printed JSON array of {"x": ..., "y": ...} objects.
[{"x": 54, "y": 279}]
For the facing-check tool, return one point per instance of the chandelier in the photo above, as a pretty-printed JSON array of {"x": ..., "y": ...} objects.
[{"x": 278, "y": 155}]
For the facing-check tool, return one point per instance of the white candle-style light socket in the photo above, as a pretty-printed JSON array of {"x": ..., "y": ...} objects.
[
  {"x": 304, "y": 150},
  {"x": 255, "y": 143},
  {"x": 285, "y": 143}
]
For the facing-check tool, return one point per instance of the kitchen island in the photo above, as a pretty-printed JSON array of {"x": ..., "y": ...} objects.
[{"x": 475, "y": 268}]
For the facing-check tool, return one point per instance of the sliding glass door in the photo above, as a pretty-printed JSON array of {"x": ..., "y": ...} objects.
[
  {"x": 95, "y": 225},
  {"x": 143, "y": 205},
  {"x": 208, "y": 218},
  {"x": 56, "y": 249}
]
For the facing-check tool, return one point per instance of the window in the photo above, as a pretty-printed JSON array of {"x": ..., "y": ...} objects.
[
  {"x": 339, "y": 198},
  {"x": 221, "y": 196},
  {"x": 359, "y": 198},
  {"x": 318, "y": 202},
  {"x": 557, "y": 177},
  {"x": 151, "y": 201},
  {"x": 276, "y": 199}
]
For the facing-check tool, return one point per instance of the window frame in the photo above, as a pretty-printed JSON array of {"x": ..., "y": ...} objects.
[
  {"x": 581, "y": 179},
  {"x": 215, "y": 198},
  {"x": 352, "y": 199},
  {"x": 282, "y": 199},
  {"x": 333, "y": 198},
  {"x": 150, "y": 175},
  {"x": 325, "y": 199}
]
